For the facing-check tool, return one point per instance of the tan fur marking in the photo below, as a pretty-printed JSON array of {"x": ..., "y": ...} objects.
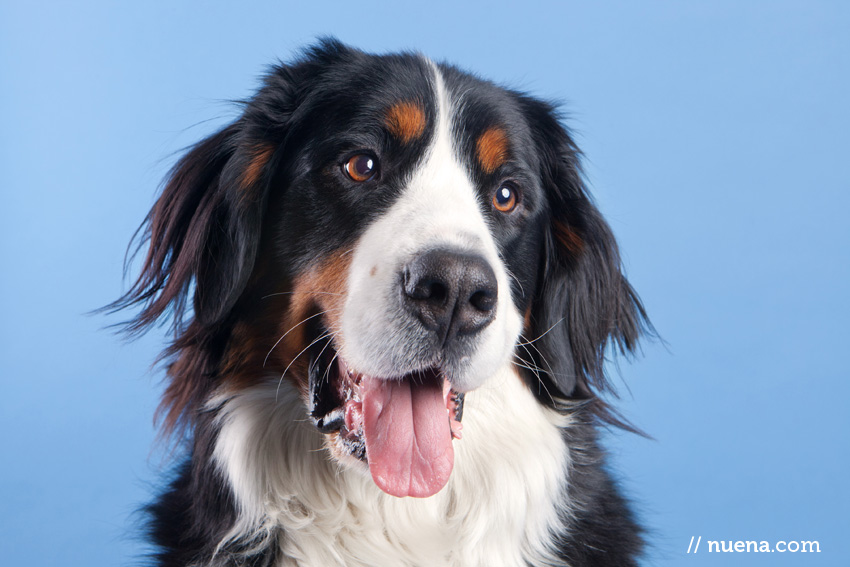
[
  {"x": 568, "y": 238},
  {"x": 322, "y": 289},
  {"x": 271, "y": 337},
  {"x": 260, "y": 156},
  {"x": 405, "y": 121},
  {"x": 492, "y": 149}
]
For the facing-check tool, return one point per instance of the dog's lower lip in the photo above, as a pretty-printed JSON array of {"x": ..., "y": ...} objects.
[{"x": 332, "y": 421}]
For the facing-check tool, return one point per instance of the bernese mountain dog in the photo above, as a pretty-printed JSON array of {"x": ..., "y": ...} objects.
[{"x": 402, "y": 296}]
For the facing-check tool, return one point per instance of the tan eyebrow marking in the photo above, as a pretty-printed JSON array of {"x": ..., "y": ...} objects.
[
  {"x": 405, "y": 120},
  {"x": 492, "y": 149}
]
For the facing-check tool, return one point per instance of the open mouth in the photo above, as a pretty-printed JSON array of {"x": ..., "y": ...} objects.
[{"x": 402, "y": 426}]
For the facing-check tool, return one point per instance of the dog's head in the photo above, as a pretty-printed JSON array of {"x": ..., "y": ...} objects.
[{"x": 385, "y": 233}]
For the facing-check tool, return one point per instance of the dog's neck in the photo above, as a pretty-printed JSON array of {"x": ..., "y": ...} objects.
[{"x": 503, "y": 502}]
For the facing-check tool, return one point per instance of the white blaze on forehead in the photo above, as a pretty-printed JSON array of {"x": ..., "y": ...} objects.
[{"x": 438, "y": 208}]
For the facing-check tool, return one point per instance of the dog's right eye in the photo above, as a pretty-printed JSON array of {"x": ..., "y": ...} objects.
[
  {"x": 506, "y": 198},
  {"x": 361, "y": 167}
]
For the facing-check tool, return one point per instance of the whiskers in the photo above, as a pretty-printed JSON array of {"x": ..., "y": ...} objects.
[
  {"x": 543, "y": 334},
  {"x": 327, "y": 334},
  {"x": 292, "y": 328},
  {"x": 323, "y": 336},
  {"x": 326, "y": 376},
  {"x": 516, "y": 279},
  {"x": 294, "y": 292},
  {"x": 535, "y": 369}
]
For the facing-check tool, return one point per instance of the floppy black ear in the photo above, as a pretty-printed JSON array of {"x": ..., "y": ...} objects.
[
  {"x": 583, "y": 302},
  {"x": 204, "y": 229}
]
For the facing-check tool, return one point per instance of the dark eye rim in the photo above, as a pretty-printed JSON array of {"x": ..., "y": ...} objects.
[
  {"x": 344, "y": 165},
  {"x": 516, "y": 193}
]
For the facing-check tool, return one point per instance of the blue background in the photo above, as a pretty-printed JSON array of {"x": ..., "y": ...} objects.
[{"x": 716, "y": 136}]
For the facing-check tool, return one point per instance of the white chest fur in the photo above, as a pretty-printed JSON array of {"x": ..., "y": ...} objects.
[{"x": 499, "y": 507}]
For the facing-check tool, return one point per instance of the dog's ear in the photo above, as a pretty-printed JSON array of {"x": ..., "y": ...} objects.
[
  {"x": 203, "y": 231},
  {"x": 583, "y": 302}
]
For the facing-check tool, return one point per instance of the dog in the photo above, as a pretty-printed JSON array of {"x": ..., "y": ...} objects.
[{"x": 401, "y": 299}]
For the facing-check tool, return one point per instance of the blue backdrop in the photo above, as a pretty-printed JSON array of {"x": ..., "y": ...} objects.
[{"x": 716, "y": 136}]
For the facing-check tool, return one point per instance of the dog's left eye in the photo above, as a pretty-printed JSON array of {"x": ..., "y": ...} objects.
[
  {"x": 361, "y": 167},
  {"x": 506, "y": 198}
]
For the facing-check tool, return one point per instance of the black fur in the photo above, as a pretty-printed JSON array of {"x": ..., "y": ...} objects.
[
  {"x": 584, "y": 287},
  {"x": 235, "y": 224}
]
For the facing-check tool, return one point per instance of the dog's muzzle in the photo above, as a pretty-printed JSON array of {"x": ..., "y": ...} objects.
[{"x": 402, "y": 423}]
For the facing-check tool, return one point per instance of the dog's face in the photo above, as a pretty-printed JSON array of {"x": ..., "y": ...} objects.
[
  {"x": 386, "y": 234},
  {"x": 417, "y": 211}
]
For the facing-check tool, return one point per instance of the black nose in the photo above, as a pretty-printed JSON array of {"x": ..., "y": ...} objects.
[{"x": 452, "y": 293}]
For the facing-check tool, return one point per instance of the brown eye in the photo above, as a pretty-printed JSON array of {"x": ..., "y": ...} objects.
[
  {"x": 361, "y": 167},
  {"x": 505, "y": 199}
]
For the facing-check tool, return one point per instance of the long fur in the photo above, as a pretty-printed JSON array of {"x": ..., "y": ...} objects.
[{"x": 266, "y": 241}]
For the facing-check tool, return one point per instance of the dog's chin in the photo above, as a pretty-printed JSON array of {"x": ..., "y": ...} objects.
[{"x": 399, "y": 427}]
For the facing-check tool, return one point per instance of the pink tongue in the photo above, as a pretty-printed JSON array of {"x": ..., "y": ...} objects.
[{"x": 408, "y": 436}]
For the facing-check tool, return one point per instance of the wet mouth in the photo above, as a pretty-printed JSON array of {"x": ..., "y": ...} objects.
[{"x": 401, "y": 426}]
